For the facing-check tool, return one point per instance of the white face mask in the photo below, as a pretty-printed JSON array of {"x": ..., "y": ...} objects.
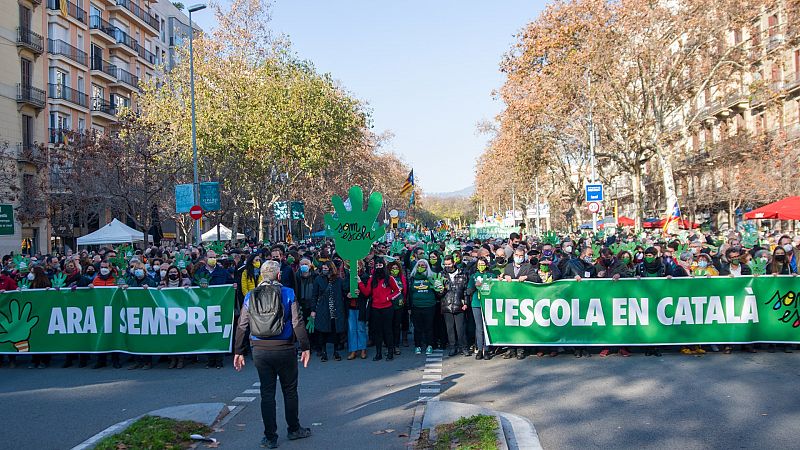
[
  {"x": 104, "y": 271},
  {"x": 568, "y": 249},
  {"x": 163, "y": 273},
  {"x": 787, "y": 248},
  {"x": 31, "y": 276}
]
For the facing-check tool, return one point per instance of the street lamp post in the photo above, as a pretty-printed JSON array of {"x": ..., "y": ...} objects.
[{"x": 196, "y": 186}]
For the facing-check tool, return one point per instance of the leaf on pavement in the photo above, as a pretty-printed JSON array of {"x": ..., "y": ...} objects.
[
  {"x": 389, "y": 430},
  {"x": 213, "y": 445},
  {"x": 402, "y": 435}
]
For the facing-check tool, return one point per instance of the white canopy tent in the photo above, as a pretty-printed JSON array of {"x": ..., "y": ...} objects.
[
  {"x": 225, "y": 234},
  {"x": 115, "y": 232}
]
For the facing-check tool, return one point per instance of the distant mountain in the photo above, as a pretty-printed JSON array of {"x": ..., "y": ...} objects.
[{"x": 463, "y": 193}]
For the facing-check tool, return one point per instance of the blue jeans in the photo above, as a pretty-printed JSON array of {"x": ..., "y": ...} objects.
[
  {"x": 356, "y": 332},
  {"x": 477, "y": 314}
]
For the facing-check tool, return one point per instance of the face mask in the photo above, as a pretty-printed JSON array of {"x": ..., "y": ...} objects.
[
  {"x": 450, "y": 269},
  {"x": 780, "y": 258},
  {"x": 649, "y": 259},
  {"x": 163, "y": 273},
  {"x": 212, "y": 262},
  {"x": 304, "y": 268},
  {"x": 787, "y": 247},
  {"x": 147, "y": 266},
  {"x": 500, "y": 261},
  {"x": 568, "y": 249},
  {"x": 156, "y": 267},
  {"x": 456, "y": 260},
  {"x": 764, "y": 260},
  {"x": 139, "y": 273},
  {"x": 588, "y": 259},
  {"x": 544, "y": 267},
  {"x": 290, "y": 260},
  {"x": 694, "y": 250},
  {"x": 482, "y": 268},
  {"x": 639, "y": 255},
  {"x": 257, "y": 264},
  {"x": 105, "y": 271},
  {"x": 626, "y": 259},
  {"x": 395, "y": 272},
  {"x": 173, "y": 276},
  {"x": 735, "y": 261},
  {"x": 90, "y": 273},
  {"x": 422, "y": 269},
  {"x": 326, "y": 271},
  {"x": 434, "y": 260},
  {"x": 519, "y": 259},
  {"x": 31, "y": 276},
  {"x": 702, "y": 264}
]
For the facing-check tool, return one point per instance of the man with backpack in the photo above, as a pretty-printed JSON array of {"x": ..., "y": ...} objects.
[{"x": 273, "y": 321}]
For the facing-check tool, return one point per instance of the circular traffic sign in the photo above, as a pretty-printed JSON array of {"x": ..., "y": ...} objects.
[
  {"x": 594, "y": 207},
  {"x": 196, "y": 212},
  {"x": 393, "y": 213}
]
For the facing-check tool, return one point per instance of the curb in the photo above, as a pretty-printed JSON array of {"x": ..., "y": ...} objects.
[
  {"x": 205, "y": 413},
  {"x": 516, "y": 432}
]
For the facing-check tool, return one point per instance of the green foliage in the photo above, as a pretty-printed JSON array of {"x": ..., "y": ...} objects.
[
  {"x": 59, "y": 279},
  {"x": 476, "y": 432},
  {"x": 155, "y": 432}
]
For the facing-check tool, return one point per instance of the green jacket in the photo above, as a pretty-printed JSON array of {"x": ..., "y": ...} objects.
[
  {"x": 422, "y": 295},
  {"x": 472, "y": 288}
]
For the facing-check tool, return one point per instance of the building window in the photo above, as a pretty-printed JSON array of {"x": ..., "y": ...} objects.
[
  {"x": 26, "y": 72},
  {"x": 81, "y": 124},
  {"x": 696, "y": 141},
  {"x": 27, "y": 130},
  {"x": 797, "y": 64},
  {"x": 756, "y": 36},
  {"x": 163, "y": 31},
  {"x": 773, "y": 25},
  {"x": 737, "y": 36}
]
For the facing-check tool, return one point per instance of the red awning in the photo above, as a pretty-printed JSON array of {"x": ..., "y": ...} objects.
[
  {"x": 786, "y": 209},
  {"x": 625, "y": 221},
  {"x": 682, "y": 224}
]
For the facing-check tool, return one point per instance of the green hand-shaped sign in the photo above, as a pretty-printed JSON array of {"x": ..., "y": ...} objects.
[
  {"x": 17, "y": 328},
  {"x": 355, "y": 230},
  {"x": 58, "y": 280},
  {"x": 24, "y": 284}
]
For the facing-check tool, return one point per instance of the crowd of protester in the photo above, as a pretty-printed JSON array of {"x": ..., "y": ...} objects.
[{"x": 416, "y": 290}]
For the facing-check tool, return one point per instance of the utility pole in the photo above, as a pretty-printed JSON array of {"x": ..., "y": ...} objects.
[
  {"x": 591, "y": 144},
  {"x": 538, "y": 209},
  {"x": 196, "y": 188}
]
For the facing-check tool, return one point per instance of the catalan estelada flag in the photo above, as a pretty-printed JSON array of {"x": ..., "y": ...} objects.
[
  {"x": 411, "y": 200},
  {"x": 675, "y": 216},
  {"x": 408, "y": 186}
]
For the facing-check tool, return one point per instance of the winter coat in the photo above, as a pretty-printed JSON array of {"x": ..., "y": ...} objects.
[
  {"x": 577, "y": 267},
  {"x": 325, "y": 291},
  {"x": 525, "y": 269},
  {"x": 216, "y": 277},
  {"x": 455, "y": 292},
  {"x": 304, "y": 288},
  {"x": 726, "y": 269}
]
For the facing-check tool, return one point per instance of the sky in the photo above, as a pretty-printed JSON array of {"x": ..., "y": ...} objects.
[{"x": 427, "y": 69}]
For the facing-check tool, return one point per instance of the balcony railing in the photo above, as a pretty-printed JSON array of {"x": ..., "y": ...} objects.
[
  {"x": 30, "y": 95},
  {"x": 139, "y": 12},
  {"x": 791, "y": 82},
  {"x": 61, "y": 92},
  {"x": 57, "y": 135},
  {"x": 104, "y": 66},
  {"x": 100, "y": 105},
  {"x": 58, "y": 47},
  {"x": 28, "y": 39},
  {"x": 30, "y": 153},
  {"x": 123, "y": 38},
  {"x": 127, "y": 77},
  {"x": 147, "y": 55},
  {"x": 97, "y": 23},
  {"x": 73, "y": 10}
]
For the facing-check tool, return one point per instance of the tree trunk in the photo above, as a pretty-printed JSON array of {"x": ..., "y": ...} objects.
[
  {"x": 234, "y": 229},
  {"x": 637, "y": 197},
  {"x": 670, "y": 193}
]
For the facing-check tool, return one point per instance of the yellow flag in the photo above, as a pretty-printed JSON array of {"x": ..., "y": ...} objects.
[{"x": 63, "y": 7}]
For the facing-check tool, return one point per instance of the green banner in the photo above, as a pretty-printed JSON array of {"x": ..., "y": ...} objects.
[
  {"x": 134, "y": 320},
  {"x": 660, "y": 311}
]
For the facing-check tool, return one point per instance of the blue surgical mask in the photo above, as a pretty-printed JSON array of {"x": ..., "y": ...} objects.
[
  {"x": 702, "y": 264},
  {"x": 139, "y": 273},
  {"x": 304, "y": 268}
]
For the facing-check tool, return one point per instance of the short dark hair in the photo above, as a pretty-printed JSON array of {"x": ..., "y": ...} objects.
[{"x": 514, "y": 235}]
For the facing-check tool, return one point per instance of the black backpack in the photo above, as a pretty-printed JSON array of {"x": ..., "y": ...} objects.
[{"x": 266, "y": 311}]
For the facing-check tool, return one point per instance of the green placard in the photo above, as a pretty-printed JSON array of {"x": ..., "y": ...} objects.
[
  {"x": 676, "y": 311},
  {"x": 298, "y": 210},
  {"x": 6, "y": 220},
  {"x": 133, "y": 320}
]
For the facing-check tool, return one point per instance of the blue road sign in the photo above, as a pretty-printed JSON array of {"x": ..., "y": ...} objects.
[{"x": 594, "y": 192}]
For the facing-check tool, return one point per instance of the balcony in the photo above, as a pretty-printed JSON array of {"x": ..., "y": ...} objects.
[
  {"x": 775, "y": 42},
  {"x": 58, "y": 47},
  {"x": 125, "y": 43},
  {"x": 147, "y": 56},
  {"x": 29, "y": 95},
  {"x": 132, "y": 9},
  {"x": 30, "y": 40},
  {"x": 104, "y": 69},
  {"x": 61, "y": 92},
  {"x": 791, "y": 82},
  {"x": 73, "y": 10},
  {"x": 57, "y": 135},
  {"x": 103, "y": 108},
  {"x": 123, "y": 76},
  {"x": 103, "y": 29},
  {"x": 737, "y": 101},
  {"x": 30, "y": 153}
]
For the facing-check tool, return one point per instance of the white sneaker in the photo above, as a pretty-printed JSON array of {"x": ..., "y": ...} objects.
[
  {"x": 429, "y": 350},
  {"x": 417, "y": 350}
]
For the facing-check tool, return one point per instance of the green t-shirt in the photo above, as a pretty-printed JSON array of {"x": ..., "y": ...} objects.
[
  {"x": 422, "y": 295},
  {"x": 472, "y": 284}
]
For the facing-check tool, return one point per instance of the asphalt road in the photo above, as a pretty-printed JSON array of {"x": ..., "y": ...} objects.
[{"x": 688, "y": 402}]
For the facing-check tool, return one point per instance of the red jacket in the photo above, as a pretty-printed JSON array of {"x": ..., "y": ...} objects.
[
  {"x": 7, "y": 283},
  {"x": 382, "y": 294}
]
